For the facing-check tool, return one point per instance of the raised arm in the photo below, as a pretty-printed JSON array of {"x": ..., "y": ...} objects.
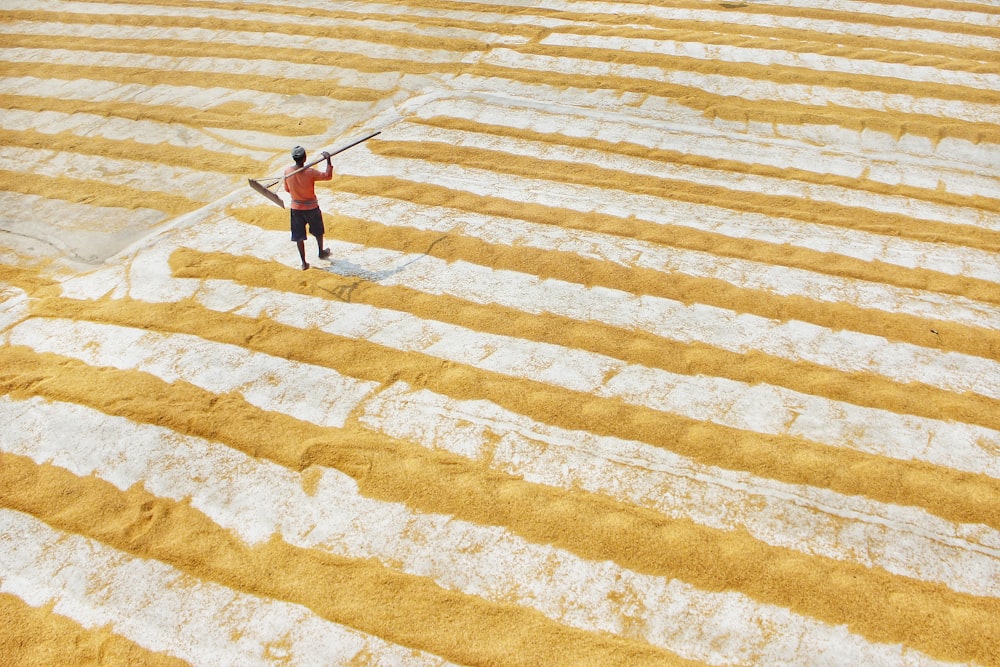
[{"x": 328, "y": 172}]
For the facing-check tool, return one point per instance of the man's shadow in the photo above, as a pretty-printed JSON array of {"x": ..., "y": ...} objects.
[{"x": 348, "y": 269}]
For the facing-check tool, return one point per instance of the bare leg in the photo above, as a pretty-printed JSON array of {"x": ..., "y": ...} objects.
[
  {"x": 323, "y": 253},
  {"x": 302, "y": 254}
]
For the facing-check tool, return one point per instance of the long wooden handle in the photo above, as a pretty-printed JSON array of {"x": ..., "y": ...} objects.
[
  {"x": 339, "y": 150},
  {"x": 265, "y": 189}
]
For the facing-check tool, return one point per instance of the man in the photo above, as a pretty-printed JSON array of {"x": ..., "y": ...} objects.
[{"x": 304, "y": 209}]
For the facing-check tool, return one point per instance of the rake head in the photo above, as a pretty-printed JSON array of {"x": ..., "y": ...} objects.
[
  {"x": 260, "y": 187},
  {"x": 264, "y": 186}
]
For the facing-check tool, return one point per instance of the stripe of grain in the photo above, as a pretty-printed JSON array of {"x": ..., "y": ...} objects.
[
  {"x": 31, "y": 279},
  {"x": 786, "y": 84},
  {"x": 922, "y": 175},
  {"x": 752, "y": 407},
  {"x": 228, "y": 581},
  {"x": 217, "y": 153},
  {"x": 327, "y": 23},
  {"x": 455, "y": 276},
  {"x": 971, "y": 144},
  {"x": 98, "y": 193},
  {"x": 212, "y": 42},
  {"x": 158, "y": 181},
  {"x": 635, "y": 347},
  {"x": 273, "y": 77},
  {"x": 934, "y": 12},
  {"x": 641, "y": 175},
  {"x": 855, "y": 67},
  {"x": 38, "y": 637},
  {"x": 167, "y": 610},
  {"x": 331, "y": 516},
  {"x": 413, "y": 13},
  {"x": 858, "y": 12},
  {"x": 896, "y": 44},
  {"x": 779, "y": 281},
  {"x": 21, "y": 213},
  {"x": 808, "y": 519},
  {"x": 842, "y": 253},
  {"x": 215, "y": 168},
  {"x": 703, "y": 14},
  {"x": 320, "y": 396},
  {"x": 437, "y": 483},
  {"x": 758, "y": 408},
  {"x": 839, "y": 469},
  {"x": 215, "y": 107},
  {"x": 173, "y": 106},
  {"x": 772, "y": 103},
  {"x": 960, "y": 224}
]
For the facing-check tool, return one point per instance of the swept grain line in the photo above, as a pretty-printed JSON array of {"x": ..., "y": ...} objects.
[
  {"x": 478, "y": 27},
  {"x": 228, "y": 116},
  {"x": 32, "y": 631},
  {"x": 563, "y": 73},
  {"x": 632, "y": 345},
  {"x": 191, "y": 157},
  {"x": 165, "y": 608},
  {"x": 96, "y": 193},
  {"x": 939, "y": 101},
  {"x": 735, "y": 406},
  {"x": 179, "y": 468},
  {"x": 686, "y": 312},
  {"x": 816, "y": 211},
  {"x": 204, "y": 73},
  {"x": 782, "y": 457},
  {"x": 926, "y": 48},
  {"x": 838, "y": 347},
  {"x": 247, "y": 46},
  {"x": 396, "y": 192},
  {"x": 911, "y": 78},
  {"x": 679, "y": 285},
  {"x": 975, "y": 22},
  {"x": 956, "y": 195},
  {"x": 358, "y": 30},
  {"x": 879, "y": 606}
]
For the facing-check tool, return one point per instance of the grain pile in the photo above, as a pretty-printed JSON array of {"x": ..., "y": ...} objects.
[{"x": 654, "y": 333}]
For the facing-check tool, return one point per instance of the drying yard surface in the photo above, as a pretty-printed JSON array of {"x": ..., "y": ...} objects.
[{"x": 654, "y": 333}]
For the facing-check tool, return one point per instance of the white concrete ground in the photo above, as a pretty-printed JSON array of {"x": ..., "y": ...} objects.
[{"x": 610, "y": 371}]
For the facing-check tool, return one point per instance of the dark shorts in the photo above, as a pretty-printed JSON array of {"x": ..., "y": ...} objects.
[{"x": 300, "y": 219}]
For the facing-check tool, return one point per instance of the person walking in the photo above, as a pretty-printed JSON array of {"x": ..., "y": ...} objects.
[{"x": 300, "y": 183}]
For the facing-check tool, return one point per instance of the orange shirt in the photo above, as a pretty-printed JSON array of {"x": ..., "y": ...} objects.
[{"x": 302, "y": 186}]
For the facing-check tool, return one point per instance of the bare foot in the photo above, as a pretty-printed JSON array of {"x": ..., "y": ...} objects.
[
  {"x": 305, "y": 265},
  {"x": 324, "y": 253}
]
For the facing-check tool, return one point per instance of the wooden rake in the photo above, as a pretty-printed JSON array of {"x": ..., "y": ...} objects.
[{"x": 264, "y": 185}]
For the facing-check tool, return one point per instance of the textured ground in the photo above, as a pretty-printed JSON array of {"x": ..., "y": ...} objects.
[{"x": 654, "y": 333}]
